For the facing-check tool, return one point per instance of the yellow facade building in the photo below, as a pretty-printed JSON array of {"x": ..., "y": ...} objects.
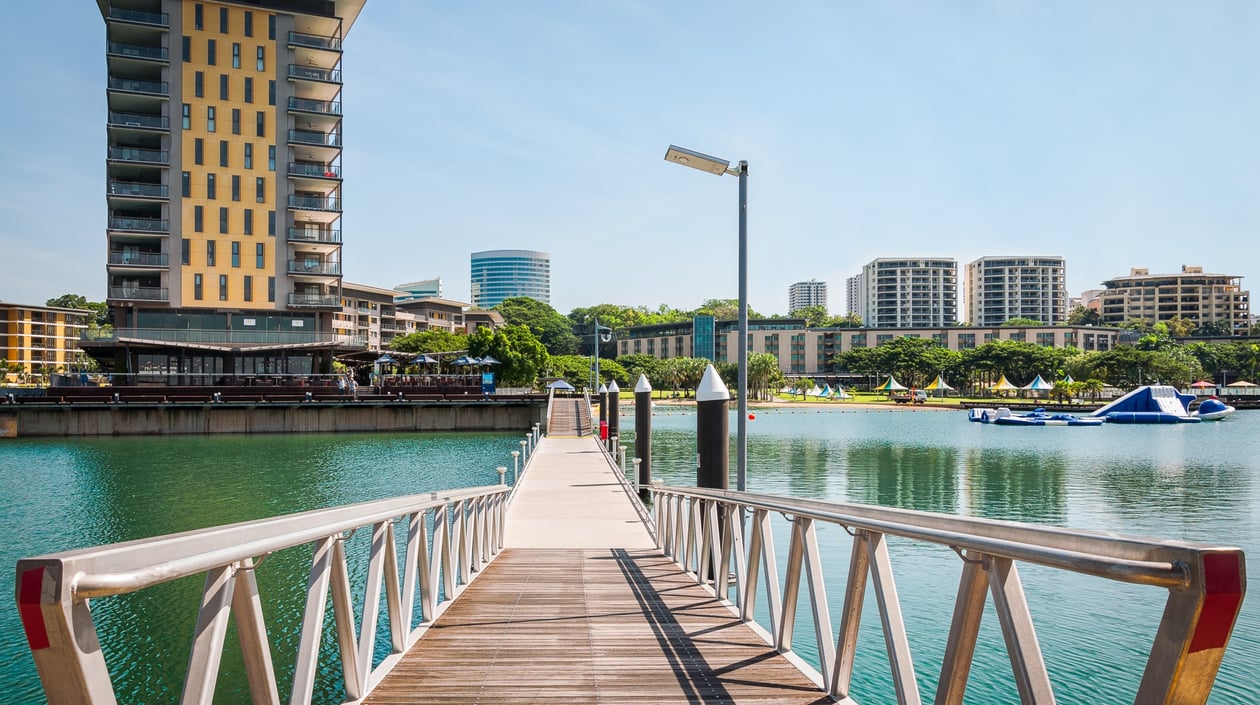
[{"x": 36, "y": 341}]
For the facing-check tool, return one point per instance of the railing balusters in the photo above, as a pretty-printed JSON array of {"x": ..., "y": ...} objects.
[
  {"x": 393, "y": 597},
  {"x": 307, "y": 661},
  {"x": 1017, "y": 628},
  {"x": 818, "y": 600},
  {"x": 851, "y": 616},
  {"x": 252, "y": 632},
  {"x": 207, "y": 646},
  {"x": 895, "y": 638},
  {"x": 964, "y": 628},
  {"x": 444, "y": 528},
  {"x": 791, "y": 589},
  {"x": 343, "y": 616},
  {"x": 415, "y": 566}
]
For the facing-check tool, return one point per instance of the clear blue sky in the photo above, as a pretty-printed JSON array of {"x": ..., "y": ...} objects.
[{"x": 1115, "y": 134}]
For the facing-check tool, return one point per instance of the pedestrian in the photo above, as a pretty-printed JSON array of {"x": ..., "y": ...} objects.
[
  {"x": 341, "y": 384},
  {"x": 354, "y": 389}
]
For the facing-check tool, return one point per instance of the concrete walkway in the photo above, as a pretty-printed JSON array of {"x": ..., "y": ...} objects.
[{"x": 570, "y": 498}]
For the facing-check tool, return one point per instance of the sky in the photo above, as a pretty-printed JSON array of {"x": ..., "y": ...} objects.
[{"x": 1114, "y": 134}]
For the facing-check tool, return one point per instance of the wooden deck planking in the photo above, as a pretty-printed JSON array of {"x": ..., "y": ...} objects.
[{"x": 590, "y": 626}]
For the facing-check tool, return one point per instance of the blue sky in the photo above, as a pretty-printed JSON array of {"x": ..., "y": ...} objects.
[{"x": 1115, "y": 134}]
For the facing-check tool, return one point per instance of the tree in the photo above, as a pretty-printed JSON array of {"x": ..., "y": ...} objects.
[
  {"x": 1083, "y": 316},
  {"x": 764, "y": 375},
  {"x": 99, "y": 309},
  {"x": 815, "y": 316},
  {"x": 683, "y": 373},
  {"x": 430, "y": 341},
  {"x": 851, "y": 320},
  {"x": 547, "y": 324},
  {"x": 723, "y": 309},
  {"x": 638, "y": 364},
  {"x": 1213, "y": 329},
  {"x": 1179, "y": 327},
  {"x": 1021, "y": 322},
  {"x": 521, "y": 355}
]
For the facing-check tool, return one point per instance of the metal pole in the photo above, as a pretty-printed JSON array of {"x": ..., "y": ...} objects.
[
  {"x": 595, "y": 341},
  {"x": 741, "y": 443}
]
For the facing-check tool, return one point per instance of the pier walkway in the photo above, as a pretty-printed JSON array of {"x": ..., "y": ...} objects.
[{"x": 581, "y": 607}]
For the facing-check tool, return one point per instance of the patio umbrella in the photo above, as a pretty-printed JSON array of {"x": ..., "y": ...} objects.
[
  {"x": 1202, "y": 384},
  {"x": 487, "y": 360},
  {"x": 464, "y": 360},
  {"x": 1241, "y": 383},
  {"x": 386, "y": 360},
  {"x": 561, "y": 384},
  {"x": 891, "y": 385}
]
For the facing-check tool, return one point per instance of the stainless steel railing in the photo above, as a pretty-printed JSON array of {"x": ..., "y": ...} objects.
[{"x": 719, "y": 536}]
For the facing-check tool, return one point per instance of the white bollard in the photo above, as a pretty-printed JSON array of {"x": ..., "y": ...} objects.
[
  {"x": 516, "y": 462},
  {"x": 502, "y": 474},
  {"x": 636, "y": 473}
]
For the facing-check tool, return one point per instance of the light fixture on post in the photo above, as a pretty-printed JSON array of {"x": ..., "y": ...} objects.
[
  {"x": 714, "y": 165},
  {"x": 599, "y": 334}
]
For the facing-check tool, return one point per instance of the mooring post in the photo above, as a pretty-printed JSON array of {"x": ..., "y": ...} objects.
[
  {"x": 643, "y": 434},
  {"x": 502, "y": 470},
  {"x": 712, "y": 431},
  {"x": 516, "y": 464},
  {"x": 614, "y": 426}
]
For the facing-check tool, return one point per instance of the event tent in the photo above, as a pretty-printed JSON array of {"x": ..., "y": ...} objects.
[
  {"x": 1038, "y": 385},
  {"x": 939, "y": 383},
  {"x": 893, "y": 385},
  {"x": 1003, "y": 384}
]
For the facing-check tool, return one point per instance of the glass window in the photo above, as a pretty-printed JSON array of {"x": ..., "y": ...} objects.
[
  {"x": 249, "y": 221},
  {"x": 223, "y": 287},
  {"x": 223, "y": 86},
  {"x": 249, "y": 155},
  {"x": 236, "y": 253},
  {"x": 210, "y": 253},
  {"x": 209, "y": 118},
  {"x": 236, "y": 187},
  {"x": 223, "y": 20},
  {"x": 197, "y": 219},
  {"x": 223, "y": 152},
  {"x": 223, "y": 221},
  {"x": 260, "y": 124},
  {"x": 260, "y": 251},
  {"x": 249, "y": 23},
  {"x": 198, "y": 150},
  {"x": 236, "y": 55},
  {"x": 249, "y": 89},
  {"x": 249, "y": 288},
  {"x": 271, "y": 223},
  {"x": 262, "y": 58},
  {"x": 236, "y": 121},
  {"x": 210, "y": 186},
  {"x": 210, "y": 51},
  {"x": 271, "y": 34},
  {"x": 271, "y": 92},
  {"x": 186, "y": 116},
  {"x": 198, "y": 16},
  {"x": 271, "y": 289},
  {"x": 184, "y": 251},
  {"x": 197, "y": 287},
  {"x": 185, "y": 184},
  {"x": 260, "y": 189},
  {"x": 199, "y": 84},
  {"x": 185, "y": 48},
  {"x": 271, "y": 158}
]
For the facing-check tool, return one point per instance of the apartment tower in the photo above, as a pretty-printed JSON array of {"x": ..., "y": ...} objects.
[
  {"x": 804, "y": 294},
  {"x": 909, "y": 293},
  {"x": 224, "y": 172},
  {"x": 504, "y": 274},
  {"x": 997, "y": 289}
]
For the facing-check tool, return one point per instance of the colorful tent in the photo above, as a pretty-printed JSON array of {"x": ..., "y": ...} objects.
[
  {"x": 891, "y": 385},
  {"x": 939, "y": 383},
  {"x": 1067, "y": 379},
  {"x": 1038, "y": 385},
  {"x": 841, "y": 394},
  {"x": 1003, "y": 384},
  {"x": 825, "y": 391}
]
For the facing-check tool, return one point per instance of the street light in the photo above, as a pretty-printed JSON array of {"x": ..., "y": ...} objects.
[
  {"x": 714, "y": 165},
  {"x": 596, "y": 339}
]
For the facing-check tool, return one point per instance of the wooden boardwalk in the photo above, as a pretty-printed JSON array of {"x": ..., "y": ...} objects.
[{"x": 586, "y": 622}]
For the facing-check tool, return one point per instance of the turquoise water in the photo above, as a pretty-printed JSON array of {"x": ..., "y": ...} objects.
[{"x": 1197, "y": 482}]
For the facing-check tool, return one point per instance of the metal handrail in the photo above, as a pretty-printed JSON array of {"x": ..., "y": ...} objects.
[{"x": 721, "y": 536}]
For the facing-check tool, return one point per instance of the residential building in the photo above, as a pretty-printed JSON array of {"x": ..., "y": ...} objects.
[
  {"x": 997, "y": 289},
  {"x": 1190, "y": 294},
  {"x": 368, "y": 312},
  {"x": 910, "y": 293},
  {"x": 39, "y": 339},
  {"x": 853, "y": 290},
  {"x": 436, "y": 314},
  {"x": 804, "y": 294},
  {"x": 422, "y": 289},
  {"x": 224, "y": 182},
  {"x": 503, "y": 274}
]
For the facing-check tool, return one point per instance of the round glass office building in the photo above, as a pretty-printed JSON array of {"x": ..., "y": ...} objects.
[{"x": 503, "y": 274}]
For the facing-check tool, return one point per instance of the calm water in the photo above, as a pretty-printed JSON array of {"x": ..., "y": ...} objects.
[{"x": 1196, "y": 482}]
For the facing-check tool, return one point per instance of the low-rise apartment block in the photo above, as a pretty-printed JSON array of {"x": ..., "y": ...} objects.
[
  {"x": 1191, "y": 294},
  {"x": 39, "y": 339}
]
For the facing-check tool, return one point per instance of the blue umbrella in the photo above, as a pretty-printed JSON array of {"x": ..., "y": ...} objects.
[
  {"x": 560, "y": 384},
  {"x": 424, "y": 359},
  {"x": 385, "y": 360},
  {"x": 487, "y": 360}
]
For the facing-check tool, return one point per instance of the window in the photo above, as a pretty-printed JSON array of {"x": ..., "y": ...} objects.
[
  {"x": 271, "y": 289},
  {"x": 249, "y": 89},
  {"x": 198, "y": 150},
  {"x": 271, "y": 34},
  {"x": 186, "y": 116},
  {"x": 249, "y": 155},
  {"x": 185, "y": 184},
  {"x": 209, "y": 118},
  {"x": 236, "y": 121},
  {"x": 236, "y": 187},
  {"x": 223, "y": 86},
  {"x": 198, "y": 17},
  {"x": 262, "y": 58},
  {"x": 271, "y": 92},
  {"x": 260, "y": 250},
  {"x": 185, "y": 48},
  {"x": 236, "y": 254},
  {"x": 236, "y": 55},
  {"x": 260, "y": 189},
  {"x": 271, "y": 223},
  {"x": 223, "y": 287},
  {"x": 184, "y": 250},
  {"x": 210, "y": 187},
  {"x": 223, "y": 152},
  {"x": 197, "y": 287},
  {"x": 211, "y": 45},
  {"x": 260, "y": 124},
  {"x": 249, "y": 221},
  {"x": 223, "y": 221},
  {"x": 249, "y": 288},
  {"x": 249, "y": 23},
  {"x": 271, "y": 158},
  {"x": 197, "y": 219},
  {"x": 223, "y": 20},
  {"x": 199, "y": 84},
  {"x": 209, "y": 252}
]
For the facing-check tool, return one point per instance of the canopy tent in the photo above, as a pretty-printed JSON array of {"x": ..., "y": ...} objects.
[
  {"x": 1067, "y": 379},
  {"x": 890, "y": 386},
  {"x": 1202, "y": 384},
  {"x": 1038, "y": 385},
  {"x": 839, "y": 393},
  {"x": 815, "y": 392},
  {"x": 1003, "y": 384},
  {"x": 938, "y": 383},
  {"x": 826, "y": 391},
  {"x": 561, "y": 384}
]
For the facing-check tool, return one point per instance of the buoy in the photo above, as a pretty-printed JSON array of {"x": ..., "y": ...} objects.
[{"x": 752, "y": 417}]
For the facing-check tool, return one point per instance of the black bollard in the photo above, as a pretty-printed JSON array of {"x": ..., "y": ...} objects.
[
  {"x": 643, "y": 433},
  {"x": 712, "y": 435},
  {"x": 614, "y": 426},
  {"x": 602, "y": 431}
]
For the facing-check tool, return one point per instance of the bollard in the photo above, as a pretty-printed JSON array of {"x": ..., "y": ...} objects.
[
  {"x": 614, "y": 425},
  {"x": 502, "y": 474},
  {"x": 603, "y": 413},
  {"x": 516, "y": 462},
  {"x": 643, "y": 431},
  {"x": 612, "y": 447},
  {"x": 712, "y": 434},
  {"x": 622, "y": 453},
  {"x": 522, "y": 452},
  {"x": 637, "y": 488}
]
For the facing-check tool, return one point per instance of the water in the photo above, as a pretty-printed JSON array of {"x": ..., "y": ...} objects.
[{"x": 1197, "y": 482}]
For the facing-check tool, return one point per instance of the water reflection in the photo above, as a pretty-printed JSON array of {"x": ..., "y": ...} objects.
[
  {"x": 1020, "y": 486},
  {"x": 1139, "y": 486},
  {"x": 911, "y": 477}
]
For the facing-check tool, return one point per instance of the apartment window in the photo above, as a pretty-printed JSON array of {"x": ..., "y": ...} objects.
[
  {"x": 260, "y": 124},
  {"x": 271, "y": 34},
  {"x": 223, "y": 287},
  {"x": 223, "y": 20},
  {"x": 262, "y": 58},
  {"x": 209, "y": 118},
  {"x": 198, "y": 150},
  {"x": 198, "y": 16},
  {"x": 223, "y": 221},
  {"x": 197, "y": 219},
  {"x": 186, "y": 116},
  {"x": 223, "y": 152},
  {"x": 184, "y": 251},
  {"x": 249, "y": 89},
  {"x": 211, "y": 47},
  {"x": 236, "y": 254},
  {"x": 260, "y": 250},
  {"x": 199, "y": 84},
  {"x": 271, "y": 158},
  {"x": 197, "y": 287},
  {"x": 249, "y": 23},
  {"x": 236, "y": 55},
  {"x": 210, "y": 186},
  {"x": 249, "y": 155},
  {"x": 271, "y": 92},
  {"x": 223, "y": 86},
  {"x": 249, "y": 221},
  {"x": 236, "y": 187},
  {"x": 260, "y": 189},
  {"x": 271, "y": 223},
  {"x": 185, "y": 184},
  {"x": 209, "y": 253},
  {"x": 236, "y": 121},
  {"x": 271, "y": 289},
  {"x": 185, "y": 48},
  {"x": 249, "y": 288}
]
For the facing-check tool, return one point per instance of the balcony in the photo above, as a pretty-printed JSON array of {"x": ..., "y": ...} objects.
[
  {"x": 137, "y": 189},
  {"x": 141, "y": 120},
  {"x": 318, "y": 269},
  {"x": 317, "y": 171},
  {"x": 139, "y": 259},
  {"x": 144, "y": 225},
  {"x": 315, "y": 300},
  {"x": 138, "y": 293},
  {"x": 315, "y": 203},
  {"x": 314, "y": 73},
  {"x": 139, "y": 155},
  {"x": 319, "y": 139},
  {"x": 330, "y": 237},
  {"x": 313, "y": 41},
  {"x": 135, "y": 85},
  {"x": 136, "y": 51},
  {"x": 156, "y": 19},
  {"x": 323, "y": 107}
]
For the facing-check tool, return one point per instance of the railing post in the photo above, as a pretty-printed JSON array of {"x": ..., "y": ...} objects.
[
  {"x": 516, "y": 464},
  {"x": 502, "y": 474},
  {"x": 636, "y": 473}
]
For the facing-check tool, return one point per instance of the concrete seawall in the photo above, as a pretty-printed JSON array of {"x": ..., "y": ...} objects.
[{"x": 310, "y": 417}]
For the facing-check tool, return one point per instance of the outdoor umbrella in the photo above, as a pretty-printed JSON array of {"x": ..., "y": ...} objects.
[
  {"x": 464, "y": 360},
  {"x": 424, "y": 359},
  {"x": 561, "y": 384},
  {"x": 385, "y": 360},
  {"x": 487, "y": 360},
  {"x": 1241, "y": 383},
  {"x": 891, "y": 385},
  {"x": 1202, "y": 384}
]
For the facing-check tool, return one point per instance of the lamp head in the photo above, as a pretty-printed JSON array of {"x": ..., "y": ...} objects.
[{"x": 697, "y": 160}]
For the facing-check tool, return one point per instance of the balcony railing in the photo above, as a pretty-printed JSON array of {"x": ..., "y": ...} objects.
[
  {"x": 135, "y": 85},
  {"x": 138, "y": 293},
  {"x": 326, "y": 236},
  {"x": 156, "y": 122},
  {"x": 139, "y": 154},
  {"x": 322, "y": 300},
  {"x": 148, "y": 225},
  {"x": 312, "y": 73},
  {"x": 323, "y": 139},
  {"x": 329, "y": 269},
  {"x": 326, "y": 107},
  {"x": 197, "y": 335},
  {"x": 137, "y": 51},
  {"x": 134, "y": 188},
  {"x": 314, "y": 41},
  {"x": 322, "y": 171},
  {"x": 139, "y": 259},
  {"x": 315, "y": 203},
  {"x": 158, "y": 19}
]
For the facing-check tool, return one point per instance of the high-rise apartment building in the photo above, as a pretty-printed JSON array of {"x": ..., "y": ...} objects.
[
  {"x": 997, "y": 289},
  {"x": 910, "y": 293},
  {"x": 503, "y": 274},
  {"x": 1190, "y": 294},
  {"x": 853, "y": 295},
  {"x": 224, "y": 176},
  {"x": 810, "y": 293}
]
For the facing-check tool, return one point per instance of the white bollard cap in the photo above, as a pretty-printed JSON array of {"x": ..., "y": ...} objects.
[
  {"x": 642, "y": 385},
  {"x": 603, "y": 389},
  {"x": 613, "y": 388},
  {"x": 711, "y": 386}
]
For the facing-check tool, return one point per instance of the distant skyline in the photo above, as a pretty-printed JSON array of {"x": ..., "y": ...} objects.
[{"x": 1115, "y": 135}]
